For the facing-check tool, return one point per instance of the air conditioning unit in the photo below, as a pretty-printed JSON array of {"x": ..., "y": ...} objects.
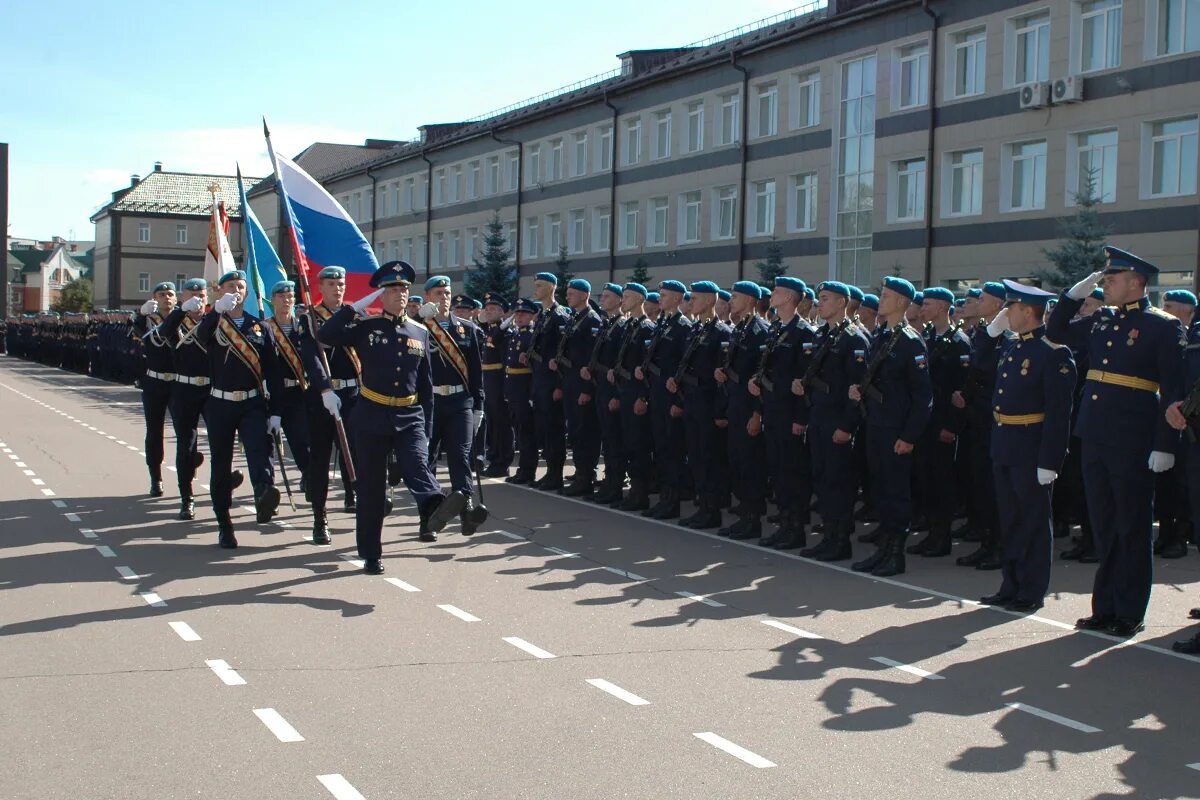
[
  {"x": 1035, "y": 95},
  {"x": 1068, "y": 89}
]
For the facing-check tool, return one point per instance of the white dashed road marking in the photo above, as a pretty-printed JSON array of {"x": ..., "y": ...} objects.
[
  {"x": 1052, "y": 717},
  {"x": 279, "y": 726},
  {"x": 105, "y": 551},
  {"x": 618, "y": 692},
  {"x": 532, "y": 649},
  {"x": 701, "y": 599},
  {"x": 783, "y": 626},
  {"x": 185, "y": 631},
  {"x": 226, "y": 673},
  {"x": 153, "y": 599},
  {"x": 71, "y": 516},
  {"x": 339, "y": 787},
  {"x": 458, "y": 612},
  {"x": 408, "y": 587},
  {"x": 909, "y": 668},
  {"x": 127, "y": 573},
  {"x": 735, "y": 750}
]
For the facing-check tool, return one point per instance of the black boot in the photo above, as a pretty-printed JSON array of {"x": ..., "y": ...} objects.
[
  {"x": 609, "y": 491},
  {"x": 265, "y": 505},
  {"x": 187, "y": 509},
  {"x": 437, "y": 511},
  {"x": 350, "y": 504},
  {"x": 871, "y": 537},
  {"x": 918, "y": 548},
  {"x": 986, "y": 545},
  {"x": 552, "y": 481},
  {"x": 869, "y": 563},
  {"x": 794, "y": 535},
  {"x": 707, "y": 518},
  {"x": 583, "y": 483},
  {"x": 320, "y": 531},
  {"x": 892, "y": 562},
  {"x": 472, "y": 517},
  {"x": 741, "y": 522},
  {"x": 225, "y": 537},
  {"x": 197, "y": 459},
  {"x": 520, "y": 478},
  {"x": 747, "y": 528},
  {"x": 236, "y": 479},
  {"x": 156, "y": 487},
  {"x": 1177, "y": 545},
  {"x": 667, "y": 505},
  {"x": 937, "y": 543},
  {"x": 637, "y": 498},
  {"x": 839, "y": 548}
]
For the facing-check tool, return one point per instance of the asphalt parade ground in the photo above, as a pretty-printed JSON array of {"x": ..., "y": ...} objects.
[{"x": 564, "y": 651}]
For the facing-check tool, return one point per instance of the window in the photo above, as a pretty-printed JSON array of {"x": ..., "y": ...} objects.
[
  {"x": 964, "y": 189},
  {"x": 807, "y": 108},
  {"x": 767, "y": 110},
  {"x": 181, "y": 234},
  {"x": 423, "y": 192},
  {"x": 1030, "y": 41},
  {"x": 472, "y": 246},
  {"x": 143, "y": 232},
  {"x": 556, "y": 160},
  {"x": 393, "y": 249},
  {"x": 1171, "y": 158},
  {"x": 439, "y": 188},
  {"x": 422, "y": 251},
  {"x": 1176, "y": 26},
  {"x": 492, "y": 181},
  {"x": 143, "y": 281},
  {"x": 510, "y": 238},
  {"x": 531, "y": 237},
  {"x": 379, "y": 248},
  {"x": 604, "y": 149},
  {"x": 658, "y": 221},
  {"x": 802, "y": 216},
  {"x": 179, "y": 278},
  {"x": 601, "y": 229},
  {"x": 456, "y": 183},
  {"x": 410, "y": 197},
  {"x": 1025, "y": 171},
  {"x": 579, "y": 163},
  {"x": 724, "y": 212},
  {"x": 1095, "y": 158},
  {"x": 396, "y": 197},
  {"x": 381, "y": 198},
  {"x": 473, "y": 171},
  {"x": 730, "y": 120},
  {"x": 689, "y": 217},
  {"x": 695, "y": 129},
  {"x": 1099, "y": 29},
  {"x": 533, "y": 166},
  {"x": 968, "y": 60},
  {"x": 662, "y": 134},
  {"x": 514, "y": 169},
  {"x": 912, "y": 69},
  {"x": 909, "y": 190},
  {"x": 855, "y": 189},
  {"x": 629, "y": 225},
  {"x": 763, "y": 223},
  {"x": 575, "y": 230},
  {"x": 633, "y": 141},
  {"x": 439, "y": 250},
  {"x": 553, "y": 234},
  {"x": 454, "y": 249},
  {"x": 406, "y": 250}
]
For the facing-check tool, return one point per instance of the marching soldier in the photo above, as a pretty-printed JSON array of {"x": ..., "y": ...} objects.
[
  {"x": 498, "y": 422},
  {"x": 518, "y": 389},
  {"x": 549, "y": 422},
  {"x": 607, "y": 398},
  {"x": 291, "y": 413},
  {"x": 570, "y": 362},
  {"x": 633, "y": 398},
  {"x": 157, "y": 377}
]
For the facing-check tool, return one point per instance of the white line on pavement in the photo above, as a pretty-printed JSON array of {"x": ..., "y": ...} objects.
[
  {"x": 358, "y": 562},
  {"x": 1195, "y": 766},
  {"x": 735, "y": 750},
  {"x": 701, "y": 599},
  {"x": 127, "y": 573},
  {"x": 626, "y": 574},
  {"x": 48, "y": 492},
  {"x": 120, "y": 442},
  {"x": 458, "y": 612},
  {"x": 339, "y": 787},
  {"x": 153, "y": 599},
  {"x": 278, "y": 725},
  {"x": 88, "y": 533},
  {"x": 58, "y": 503},
  {"x": 909, "y": 668},
  {"x": 226, "y": 673},
  {"x": 71, "y": 516},
  {"x": 29, "y": 473},
  {"x": 803, "y": 634},
  {"x": 1052, "y": 717},
  {"x": 408, "y": 587},
  {"x": 557, "y": 551},
  {"x": 185, "y": 631},
  {"x": 21, "y": 464},
  {"x": 105, "y": 551},
  {"x": 516, "y": 536},
  {"x": 532, "y": 649},
  {"x": 38, "y": 482},
  {"x": 618, "y": 692}
]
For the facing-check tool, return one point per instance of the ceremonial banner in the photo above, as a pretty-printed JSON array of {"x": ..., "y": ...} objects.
[
  {"x": 263, "y": 266},
  {"x": 218, "y": 258}
]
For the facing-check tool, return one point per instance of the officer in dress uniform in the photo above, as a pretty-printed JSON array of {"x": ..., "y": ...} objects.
[
  {"x": 396, "y": 399},
  {"x": 661, "y": 361},
  {"x": 518, "y": 389},
  {"x": 896, "y": 397},
  {"x": 607, "y": 401},
  {"x": 548, "y": 420},
  {"x": 291, "y": 413},
  {"x": 1171, "y": 506},
  {"x": 838, "y": 362},
  {"x": 455, "y": 359},
  {"x": 633, "y": 398},
  {"x": 466, "y": 307},
  {"x": 1031, "y": 408},
  {"x": 1185, "y": 416},
  {"x": 497, "y": 419},
  {"x": 245, "y": 379},
  {"x": 157, "y": 377},
  {"x": 571, "y": 359},
  {"x": 1135, "y": 371}
]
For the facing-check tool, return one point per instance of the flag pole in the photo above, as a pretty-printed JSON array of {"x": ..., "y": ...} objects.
[{"x": 306, "y": 296}]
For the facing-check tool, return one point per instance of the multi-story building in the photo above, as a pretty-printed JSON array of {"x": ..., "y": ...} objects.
[
  {"x": 940, "y": 140},
  {"x": 38, "y": 271},
  {"x": 156, "y": 230}
]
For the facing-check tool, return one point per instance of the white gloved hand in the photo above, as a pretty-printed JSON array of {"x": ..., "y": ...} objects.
[
  {"x": 1046, "y": 476},
  {"x": 476, "y": 422},
  {"x": 360, "y": 306},
  {"x": 193, "y": 304},
  {"x": 332, "y": 403},
  {"x": 274, "y": 425},
  {"x": 226, "y": 302},
  {"x": 1085, "y": 286},
  {"x": 148, "y": 307},
  {"x": 998, "y": 325},
  {"x": 1161, "y": 462},
  {"x": 428, "y": 311}
]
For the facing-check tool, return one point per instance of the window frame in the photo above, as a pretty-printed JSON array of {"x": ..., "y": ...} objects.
[
  {"x": 1147, "y": 158},
  {"x": 576, "y": 230},
  {"x": 810, "y": 80},
  {"x": 900, "y": 169},
  {"x": 601, "y": 229},
  {"x": 978, "y": 173},
  {"x": 689, "y": 202},
  {"x": 662, "y": 135},
  {"x": 1036, "y": 23},
  {"x": 766, "y": 104},
  {"x": 181, "y": 233},
  {"x": 144, "y": 282},
  {"x": 809, "y": 183},
  {"x": 1074, "y": 176},
  {"x": 731, "y": 102},
  {"x": 1008, "y": 165},
  {"x": 143, "y": 228},
  {"x": 658, "y": 211},
  {"x": 579, "y": 159},
  {"x": 762, "y": 222},
  {"x": 630, "y": 220},
  {"x": 898, "y": 82},
  {"x": 633, "y": 141},
  {"x": 725, "y": 197},
  {"x": 695, "y": 117},
  {"x": 962, "y": 41}
]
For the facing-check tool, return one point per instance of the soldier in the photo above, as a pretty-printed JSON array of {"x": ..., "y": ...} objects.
[
  {"x": 1185, "y": 416},
  {"x": 1136, "y": 361},
  {"x": 291, "y": 415},
  {"x": 868, "y": 313},
  {"x": 572, "y": 356},
  {"x": 607, "y": 399},
  {"x": 549, "y": 422},
  {"x": 1032, "y": 413},
  {"x": 1070, "y": 495},
  {"x": 499, "y": 430},
  {"x": 466, "y": 307},
  {"x": 396, "y": 397},
  {"x": 722, "y": 307},
  {"x": 518, "y": 389},
  {"x": 157, "y": 378},
  {"x": 652, "y": 307},
  {"x": 633, "y": 398},
  {"x": 913, "y": 315},
  {"x": 896, "y": 397},
  {"x": 1171, "y": 506}
]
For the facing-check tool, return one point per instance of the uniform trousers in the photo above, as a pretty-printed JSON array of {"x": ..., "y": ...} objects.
[
  {"x": 548, "y": 421},
  {"x": 707, "y": 454},
  {"x": 322, "y": 438},
  {"x": 247, "y": 419},
  {"x": 583, "y": 426},
  {"x": 668, "y": 437},
  {"x": 520, "y": 409},
  {"x": 747, "y": 459},
  {"x": 293, "y": 417},
  {"x": 1026, "y": 535},
  {"x": 788, "y": 460},
  {"x": 499, "y": 451},
  {"x": 1120, "y": 495},
  {"x": 452, "y": 431},
  {"x": 187, "y": 409},
  {"x": 610, "y": 429},
  {"x": 833, "y": 469},
  {"x": 891, "y": 479},
  {"x": 156, "y": 398},
  {"x": 637, "y": 440}
]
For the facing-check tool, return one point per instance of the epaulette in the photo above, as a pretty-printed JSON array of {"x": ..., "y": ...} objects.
[
  {"x": 911, "y": 332},
  {"x": 1158, "y": 312}
]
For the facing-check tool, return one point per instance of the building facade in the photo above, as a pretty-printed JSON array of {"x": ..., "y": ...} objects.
[
  {"x": 942, "y": 141},
  {"x": 38, "y": 271}
]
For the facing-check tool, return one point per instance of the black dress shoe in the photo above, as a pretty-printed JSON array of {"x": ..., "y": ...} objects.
[
  {"x": 226, "y": 539},
  {"x": 996, "y": 599},
  {"x": 320, "y": 531},
  {"x": 1093, "y": 623},
  {"x": 519, "y": 478},
  {"x": 265, "y": 505},
  {"x": 1194, "y": 613},
  {"x": 197, "y": 459},
  {"x": 1189, "y": 646},
  {"x": 1089, "y": 557},
  {"x": 1024, "y": 606},
  {"x": 445, "y": 510},
  {"x": 236, "y": 479},
  {"x": 426, "y": 536},
  {"x": 156, "y": 489},
  {"x": 1126, "y": 627},
  {"x": 373, "y": 566},
  {"x": 350, "y": 503},
  {"x": 187, "y": 510}
]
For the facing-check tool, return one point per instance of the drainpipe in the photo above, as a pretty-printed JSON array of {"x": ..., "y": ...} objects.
[
  {"x": 520, "y": 187},
  {"x": 428, "y": 212},
  {"x": 931, "y": 158},
  {"x": 742, "y": 191},
  {"x": 374, "y": 210},
  {"x": 612, "y": 196}
]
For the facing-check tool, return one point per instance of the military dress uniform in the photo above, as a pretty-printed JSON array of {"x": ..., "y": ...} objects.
[
  {"x": 1190, "y": 408},
  {"x": 518, "y": 393},
  {"x": 604, "y": 358},
  {"x": 549, "y": 422},
  {"x": 497, "y": 420},
  {"x": 661, "y": 362},
  {"x": 636, "y": 430},
  {"x": 291, "y": 407},
  {"x": 574, "y": 353},
  {"x": 156, "y": 382}
]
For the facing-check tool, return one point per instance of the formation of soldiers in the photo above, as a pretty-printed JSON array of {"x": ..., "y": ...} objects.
[
  {"x": 96, "y": 344},
  {"x": 1016, "y": 411}
]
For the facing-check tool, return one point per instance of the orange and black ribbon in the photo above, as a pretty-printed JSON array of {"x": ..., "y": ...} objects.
[
  {"x": 324, "y": 314},
  {"x": 288, "y": 351},
  {"x": 449, "y": 348},
  {"x": 241, "y": 348}
]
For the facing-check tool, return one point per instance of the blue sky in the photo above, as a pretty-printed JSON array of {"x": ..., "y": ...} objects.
[{"x": 101, "y": 91}]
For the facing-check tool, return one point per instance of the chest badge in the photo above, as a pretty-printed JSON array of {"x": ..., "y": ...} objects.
[
  {"x": 1133, "y": 335},
  {"x": 1025, "y": 367}
]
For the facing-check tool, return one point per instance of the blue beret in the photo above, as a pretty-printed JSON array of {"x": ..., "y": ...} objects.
[
  {"x": 900, "y": 286},
  {"x": 705, "y": 287},
  {"x": 1180, "y": 296},
  {"x": 960, "y": 302},
  {"x": 437, "y": 282},
  {"x": 918, "y": 298},
  {"x": 283, "y": 286},
  {"x": 466, "y": 301},
  {"x": 233, "y": 275},
  {"x": 549, "y": 277},
  {"x": 580, "y": 285},
  {"x": 788, "y": 282},
  {"x": 615, "y": 288},
  {"x": 748, "y": 288},
  {"x": 331, "y": 272},
  {"x": 687, "y": 296},
  {"x": 1098, "y": 293},
  {"x": 164, "y": 286},
  {"x": 995, "y": 289},
  {"x": 1121, "y": 261},
  {"x": 528, "y": 306},
  {"x": 938, "y": 293},
  {"x": 393, "y": 273},
  {"x": 195, "y": 284},
  {"x": 809, "y": 293},
  {"x": 653, "y": 297},
  {"x": 635, "y": 287},
  {"x": 724, "y": 295},
  {"x": 871, "y": 301},
  {"x": 495, "y": 299},
  {"x": 974, "y": 291},
  {"x": 837, "y": 287},
  {"x": 672, "y": 286},
  {"x": 1030, "y": 295},
  {"x": 856, "y": 293}
]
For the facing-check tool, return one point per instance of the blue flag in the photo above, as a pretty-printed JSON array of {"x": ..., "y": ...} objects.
[{"x": 263, "y": 267}]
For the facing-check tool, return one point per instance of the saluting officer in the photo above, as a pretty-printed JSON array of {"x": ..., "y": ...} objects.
[
  {"x": 157, "y": 377},
  {"x": 548, "y": 420},
  {"x": 291, "y": 414},
  {"x": 661, "y": 360},
  {"x": 1136, "y": 363},
  {"x": 572, "y": 357},
  {"x": 607, "y": 398},
  {"x": 396, "y": 397},
  {"x": 518, "y": 389},
  {"x": 497, "y": 419},
  {"x": 633, "y": 398}
]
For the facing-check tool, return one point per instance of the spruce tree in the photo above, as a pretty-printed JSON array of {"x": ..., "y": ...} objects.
[
  {"x": 1080, "y": 250},
  {"x": 561, "y": 265},
  {"x": 773, "y": 267},
  {"x": 641, "y": 272},
  {"x": 492, "y": 270}
]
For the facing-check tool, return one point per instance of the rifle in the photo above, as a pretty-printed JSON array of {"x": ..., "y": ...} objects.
[
  {"x": 811, "y": 378},
  {"x": 601, "y": 337},
  {"x": 564, "y": 338},
  {"x": 696, "y": 341},
  {"x": 634, "y": 326},
  {"x": 867, "y": 388},
  {"x": 760, "y": 374},
  {"x": 1190, "y": 408}
]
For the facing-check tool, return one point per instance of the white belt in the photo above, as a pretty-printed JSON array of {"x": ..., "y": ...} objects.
[
  {"x": 199, "y": 380},
  {"x": 162, "y": 376},
  {"x": 290, "y": 383},
  {"x": 236, "y": 397},
  {"x": 339, "y": 383},
  {"x": 446, "y": 391}
]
